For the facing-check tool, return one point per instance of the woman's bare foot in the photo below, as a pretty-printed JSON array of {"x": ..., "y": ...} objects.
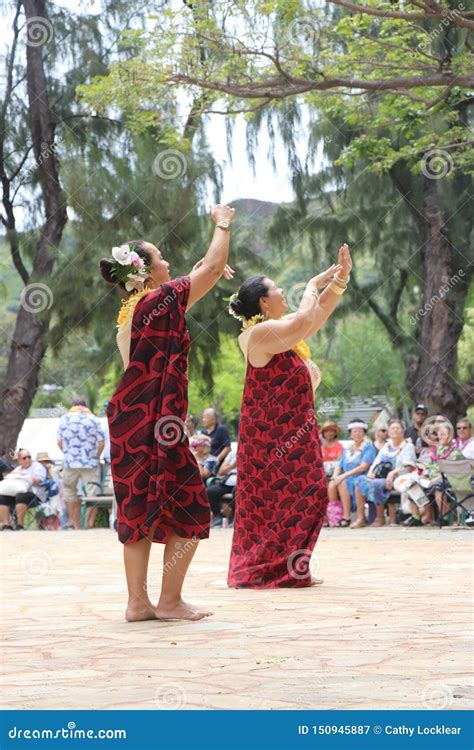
[
  {"x": 378, "y": 522},
  {"x": 179, "y": 610},
  {"x": 137, "y": 611},
  {"x": 316, "y": 581},
  {"x": 359, "y": 524}
]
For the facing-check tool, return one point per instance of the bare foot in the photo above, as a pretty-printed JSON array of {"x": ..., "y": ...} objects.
[
  {"x": 359, "y": 524},
  {"x": 140, "y": 611},
  {"x": 316, "y": 581},
  {"x": 378, "y": 522},
  {"x": 179, "y": 611}
]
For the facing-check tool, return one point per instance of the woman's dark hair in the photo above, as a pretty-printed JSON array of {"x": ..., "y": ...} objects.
[
  {"x": 106, "y": 264},
  {"x": 247, "y": 303}
]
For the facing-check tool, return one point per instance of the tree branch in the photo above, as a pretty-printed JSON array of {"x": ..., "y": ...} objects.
[
  {"x": 280, "y": 89},
  {"x": 393, "y": 328},
  {"x": 403, "y": 278},
  {"x": 434, "y": 12}
]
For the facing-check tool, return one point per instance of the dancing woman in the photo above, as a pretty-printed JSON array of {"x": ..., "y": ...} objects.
[
  {"x": 159, "y": 491},
  {"x": 281, "y": 490}
]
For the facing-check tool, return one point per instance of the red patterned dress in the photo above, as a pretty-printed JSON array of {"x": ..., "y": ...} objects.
[
  {"x": 281, "y": 492},
  {"x": 157, "y": 483}
]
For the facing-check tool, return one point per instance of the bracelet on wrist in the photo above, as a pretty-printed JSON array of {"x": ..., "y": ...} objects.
[
  {"x": 336, "y": 288},
  {"x": 339, "y": 284},
  {"x": 340, "y": 279}
]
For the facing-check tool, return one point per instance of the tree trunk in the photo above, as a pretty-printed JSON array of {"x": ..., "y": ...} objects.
[
  {"x": 29, "y": 338},
  {"x": 431, "y": 373}
]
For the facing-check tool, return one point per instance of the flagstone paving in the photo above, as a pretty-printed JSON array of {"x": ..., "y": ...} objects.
[{"x": 391, "y": 627}]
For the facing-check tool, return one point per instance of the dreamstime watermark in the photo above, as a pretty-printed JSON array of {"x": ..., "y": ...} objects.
[
  {"x": 303, "y": 31},
  {"x": 295, "y": 438},
  {"x": 36, "y": 297},
  {"x": 448, "y": 283},
  {"x": 170, "y": 696},
  {"x": 298, "y": 564},
  {"x": 448, "y": 17},
  {"x": 46, "y": 151},
  {"x": 436, "y": 164},
  {"x": 162, "y": 306},
  {"x": 169, "y": 431},
  {"x": 170, "y": 164},
  {"x": 437, "y": 696},
  {"x": 36, "y": 564},
  {"x": 181, "y": 550},
  {"x": 69, "y": 732},
  {"x": 295, "y": 293},
  {"x": 39, "y": 31}
]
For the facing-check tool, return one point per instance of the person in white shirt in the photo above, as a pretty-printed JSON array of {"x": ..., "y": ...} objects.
[{"x": 35, "y": 473}]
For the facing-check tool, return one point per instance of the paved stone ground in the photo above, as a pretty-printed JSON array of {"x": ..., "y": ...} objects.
[{"x": 389, "y": 628}]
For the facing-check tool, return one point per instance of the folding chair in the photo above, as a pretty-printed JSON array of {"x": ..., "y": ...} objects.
[
  {"x": 460, "y": 490},
  {"x": 47, "y": 509}
]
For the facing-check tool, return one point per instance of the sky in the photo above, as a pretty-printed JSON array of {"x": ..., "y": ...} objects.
[{"x": 239, "y": 179}]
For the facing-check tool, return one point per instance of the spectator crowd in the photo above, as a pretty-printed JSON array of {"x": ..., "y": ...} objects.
[{"x": 387, "y": 475}]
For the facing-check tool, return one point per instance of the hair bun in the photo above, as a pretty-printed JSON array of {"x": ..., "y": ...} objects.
[
  {"x": 237, "y": 306},
  {"x": 105, "y": 267}
]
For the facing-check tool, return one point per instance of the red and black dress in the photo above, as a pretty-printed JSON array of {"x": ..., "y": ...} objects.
[
  {"x": 281, "y": 494},
  {"x": 157, "y": 483}
]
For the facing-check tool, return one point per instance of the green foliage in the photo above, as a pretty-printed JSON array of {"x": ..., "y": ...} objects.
[{"x": 415, "y": 74}]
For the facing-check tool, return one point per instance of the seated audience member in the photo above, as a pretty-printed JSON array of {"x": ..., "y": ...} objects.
[
  {"x": 331, "y": 448},
  {"x": 6, "y": 466},
  {"x": 468, "y": 451},
  {"x": 380, "y": 436},
  {"x": 355, "y": 461},
  {"x": 377, "y": 485},
  {"x": 445, "y": 449},
  {"x": 224, "y": 484},
  {"x": 220, "y": 440},
  {"x": 420, "y": 412},
  {"x": 48, "y": 516},
  {"x": 30, "y": 474},
  {"x": 190, "y": 426},
  {"x": 463, "y": 433},
  {"x": 201, "y": 448}
]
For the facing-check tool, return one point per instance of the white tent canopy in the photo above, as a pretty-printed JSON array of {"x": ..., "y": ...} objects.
[{"x": 39, "y": 434}]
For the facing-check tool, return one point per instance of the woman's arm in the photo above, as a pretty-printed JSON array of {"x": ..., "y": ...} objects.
[
  {"x": 328, "y": 298},
  {"x": 226, "y": 466},
  {"x": 358, "y": 470},
  {"x": 208, "y": 273},
  {"x": 275, "y": 336}
]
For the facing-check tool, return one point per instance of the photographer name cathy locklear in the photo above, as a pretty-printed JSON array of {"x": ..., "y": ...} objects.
[{"x": 410, "y": 731}]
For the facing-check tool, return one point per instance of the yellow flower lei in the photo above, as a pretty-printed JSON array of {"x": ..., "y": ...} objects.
[
  {"x": 128, "y": 306},
  {"x": 301, "y": 348}
]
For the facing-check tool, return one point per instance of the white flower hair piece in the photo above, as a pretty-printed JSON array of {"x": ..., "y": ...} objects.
[
  {"x": 122, "y": 255},
  {"x": 129, "y": 268},
  {"x": 230, "y": 299}
]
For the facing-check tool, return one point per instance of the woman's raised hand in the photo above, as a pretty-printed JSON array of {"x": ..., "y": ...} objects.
[
  {"x": 221, "y": 212},
  {"x": 323, "y": 279},
  {"x": 228, "y": 272},
  {"x": 345, "y": 260}
]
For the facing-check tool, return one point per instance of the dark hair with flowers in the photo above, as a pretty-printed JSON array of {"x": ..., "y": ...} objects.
[{"x": 129, "y": 266}]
